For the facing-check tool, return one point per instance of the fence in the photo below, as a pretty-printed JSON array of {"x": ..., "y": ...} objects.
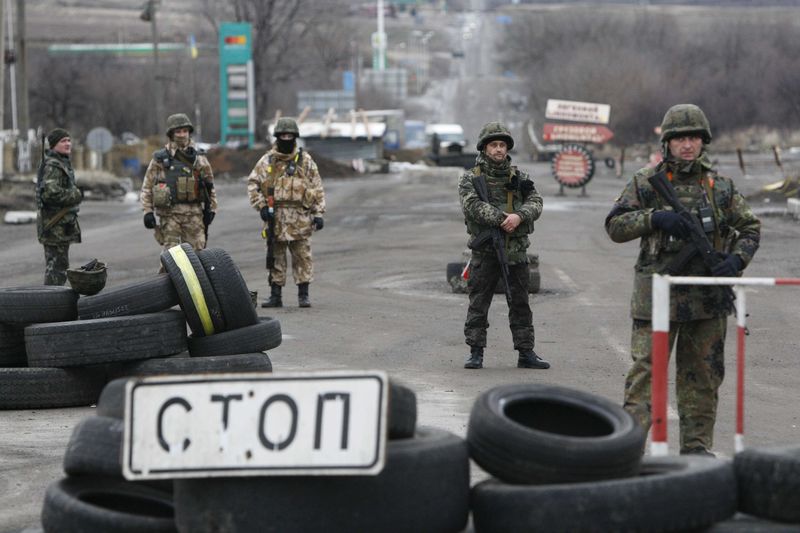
[{"x": 660, "y": 347}]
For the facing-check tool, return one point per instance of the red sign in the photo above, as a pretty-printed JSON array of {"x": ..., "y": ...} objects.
[
  {"x": 236, "y": 40},
  {"x": 573, "y": 166},
  {"x": 587, "y": 133}
]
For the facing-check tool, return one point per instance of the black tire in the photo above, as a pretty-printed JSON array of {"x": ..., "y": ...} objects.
[
  {"x": 229, "y": 287},
  {"x": 12, "y": 346},
  {"x": 423, "y": 487},
  {"x": 261, "y": 336},
  {"x": 195, "y": 294},
  {"x": 36, "y": 305},
  {"x": 84, "y": 504},
  {"x": 670, "y": 494},
  {"x": 43, "y": 388},
  {"x": 531, "y": 433},
  {"x": 149, "y": 296},
  {"x": 454, "y": 270},
  {"x": 769, "y": 482},
  {"x": 95, "y": 448},
  {"x": 111, "y": 402},
  {"x": 743, "y": 523},
  {"x": 105, "y": 340},
  {"x": 402, "y": 419}
]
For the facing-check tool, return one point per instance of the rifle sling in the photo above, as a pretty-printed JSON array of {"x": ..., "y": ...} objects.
[{"x": 58, "y": 216}]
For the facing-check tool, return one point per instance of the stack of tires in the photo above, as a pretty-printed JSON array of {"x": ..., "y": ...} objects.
[
  {"x": 424, "y": 486},
  {"x": 459, "y": 285},
  {"x": 566, "y": 460}
]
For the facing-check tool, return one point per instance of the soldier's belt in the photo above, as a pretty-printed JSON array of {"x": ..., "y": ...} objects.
[{"x": 288, "y": 203}]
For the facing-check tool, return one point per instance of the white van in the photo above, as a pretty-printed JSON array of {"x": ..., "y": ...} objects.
[{"x": 451, "y": 136}]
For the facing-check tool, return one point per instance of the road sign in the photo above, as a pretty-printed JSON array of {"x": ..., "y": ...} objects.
[
  {"x": 237, "y": 83},
  {"x": 589, "y": 133},
  {"x": 100, "y": 140},
  {"x": 578, "y": 111},
  {"x": 573, "y": 166},
  {"x": 331, "y": 423}
]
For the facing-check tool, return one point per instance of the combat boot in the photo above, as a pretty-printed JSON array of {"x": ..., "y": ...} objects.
[
  {"x": 475, "y": 359},
  {"x": 529, "y": 359},
  {"x": 274, "y": 297},
  {"x": 302, "y": 295}
]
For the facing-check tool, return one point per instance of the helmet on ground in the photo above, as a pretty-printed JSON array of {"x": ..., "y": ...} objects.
[
  {"x": 683, "y": 119},
  {"x": 286, "y": 125},
  {"x": 178, "y": 120},
  {"x": 88, "y": 279},
  {"x": 494, "y": 131}
]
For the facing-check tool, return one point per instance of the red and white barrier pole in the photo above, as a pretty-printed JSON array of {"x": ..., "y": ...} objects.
[
  {"x": 738, "y": 439},
  {"x": 660, "y": 364}
]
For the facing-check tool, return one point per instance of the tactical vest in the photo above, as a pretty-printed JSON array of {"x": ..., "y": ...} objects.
[
  {"x": 180, "y": 180},
  {"x": 287, "y": 178},
  {"x": 517, "y": 199},
  {"x": 697, "y": 196}
]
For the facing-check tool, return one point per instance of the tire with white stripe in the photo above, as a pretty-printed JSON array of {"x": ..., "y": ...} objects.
[{"x": 195, "y": 293}]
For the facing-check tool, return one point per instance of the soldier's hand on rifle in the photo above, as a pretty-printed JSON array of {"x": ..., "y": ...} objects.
[
  {"x": 265, "y": 214},
  {"x": 511, "y": 222},
  {"x": 728, "y": 267},
  {"x": 149, "y": 220},
  {"x": 318, "y": 223},
  {"x": 208, "y": 218},
  {"x": 671, "y": 223}
]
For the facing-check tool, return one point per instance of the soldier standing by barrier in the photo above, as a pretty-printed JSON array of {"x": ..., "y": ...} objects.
[
  {"x": 57, "y": 199},
  {"x": 179, "y": 187},
  {"x": 497, "y": 196},
  {"x": 698, "y": 314},
  {"x": 286, "y": 189}
]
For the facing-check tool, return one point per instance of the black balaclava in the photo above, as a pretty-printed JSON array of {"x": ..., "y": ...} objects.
[{"x": 284, "y": 146}]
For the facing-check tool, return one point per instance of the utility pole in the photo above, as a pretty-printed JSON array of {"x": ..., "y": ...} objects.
[
  {"x": 23, "y": 72},
  {"x": 2, "y": 66},
  {"x": 149, "y": 15}
]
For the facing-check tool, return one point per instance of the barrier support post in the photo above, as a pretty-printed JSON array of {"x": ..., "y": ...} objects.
[
  {"x": 738, "y": 439},
  {"x": 660, "y": 364}
]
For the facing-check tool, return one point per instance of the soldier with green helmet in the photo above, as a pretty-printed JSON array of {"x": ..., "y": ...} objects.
[
  {"x": 698, "y": 314},
  {"x": 286, "y": 189},
  {"x": 58, "y": 199},
  {"x": 513, "y": 206},
  {"x": 178, "y": 188}
]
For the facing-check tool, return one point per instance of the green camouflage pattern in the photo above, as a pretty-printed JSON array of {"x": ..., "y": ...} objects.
[
  {"x": 177, "y": 228},
  {"x": 302, "y": 262},
  {"x": 178, "y": 120},
  {"x": 57, "y": 191},
  {"x": 480, "y": 215},
  {"x": 494, "y": 130},
  {"x": 56, "y": 263},
  {"x": 682, "y": 119},
  {"x": 739, "y": 232},
  {"x": 286, "y": 125},
  {"x": 700, "y": 369}
]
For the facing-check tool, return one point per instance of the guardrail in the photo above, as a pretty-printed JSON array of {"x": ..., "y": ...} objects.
[{"x": 660, "y": 349}]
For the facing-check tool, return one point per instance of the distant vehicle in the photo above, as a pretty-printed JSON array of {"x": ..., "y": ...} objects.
[
  {"x": 450, "y": 136},
  {"x": 415, "y": 134}
]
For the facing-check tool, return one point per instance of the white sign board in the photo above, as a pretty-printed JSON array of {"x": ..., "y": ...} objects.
[
  {"x": 331, "y": 423},
  {"x": 578, "y": 111}
]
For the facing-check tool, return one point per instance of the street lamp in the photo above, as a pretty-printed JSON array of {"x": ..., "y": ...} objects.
[{"x": 148, "y": 14}]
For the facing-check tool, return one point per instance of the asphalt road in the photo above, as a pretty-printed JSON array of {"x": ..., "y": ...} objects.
[{"x": 381, "y": 301}]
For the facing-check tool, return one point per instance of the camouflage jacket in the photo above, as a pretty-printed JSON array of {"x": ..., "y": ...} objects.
[
  {"x": 480, "y": 216},
  {"x": 298, "y": 194},
  {"x": 55, "y": 191},
  {"x": 155, "y": 176},
  {"x": 736, "y": 231}
]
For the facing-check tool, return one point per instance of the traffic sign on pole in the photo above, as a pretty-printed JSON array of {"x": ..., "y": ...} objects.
[
  {"x": 577, "y": 133},
  {"x": 578, "y": 111}
]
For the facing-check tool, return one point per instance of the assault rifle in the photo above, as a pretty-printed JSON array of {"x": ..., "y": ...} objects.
[
  {"x": 493, "y": 234},
  {"x": 271, "y": 228},
  {"x": 698, "y": 240},
  {"x": 207, "y": 188}
]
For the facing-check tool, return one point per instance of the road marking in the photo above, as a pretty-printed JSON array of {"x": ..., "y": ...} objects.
[{"x": 582, "y": 299}]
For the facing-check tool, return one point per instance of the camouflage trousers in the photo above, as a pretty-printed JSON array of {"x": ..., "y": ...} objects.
[
  {"x": 56, "y": 257},
  {"x": 484, "y": 272},
  {"x": 700, "y": 369},
  {"x": 302, "y": 264},
  {"x": 175, "y": 229}
]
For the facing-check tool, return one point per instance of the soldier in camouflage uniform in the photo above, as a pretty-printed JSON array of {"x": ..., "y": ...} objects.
[
  {"x": 505, "y": 184},
  {"x": 57, "y": 199},
  {"x": 698, "y": 314},
  {"x": 177, "y": 184},
  {"x": 291, "y": 176}
]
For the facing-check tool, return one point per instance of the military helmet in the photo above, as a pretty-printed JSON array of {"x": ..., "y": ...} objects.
[
  {"x": 178, "y": 120},
  {"x": 493, "y": 131},
  {"x": 286, "y": 125},
  {"x": 682, "y": 119},
  {"x": 88, "y": 279}
]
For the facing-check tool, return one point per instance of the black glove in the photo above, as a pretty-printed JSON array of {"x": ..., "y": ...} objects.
[
  {"x": 208, "y": 218},
  {"x": 728, "y": 267},
  {"x": 265, "y": 214},
  {"x": 149, "y": 220},
  {"x": 513, "y": 184},
  {"x": 318, "y": 223},
  {"x": 671, "y": 223}
]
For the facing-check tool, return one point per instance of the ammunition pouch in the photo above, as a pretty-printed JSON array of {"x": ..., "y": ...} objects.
[
  {"x": 481, "y": 240},
  {"x": 162, "y": 196}
]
